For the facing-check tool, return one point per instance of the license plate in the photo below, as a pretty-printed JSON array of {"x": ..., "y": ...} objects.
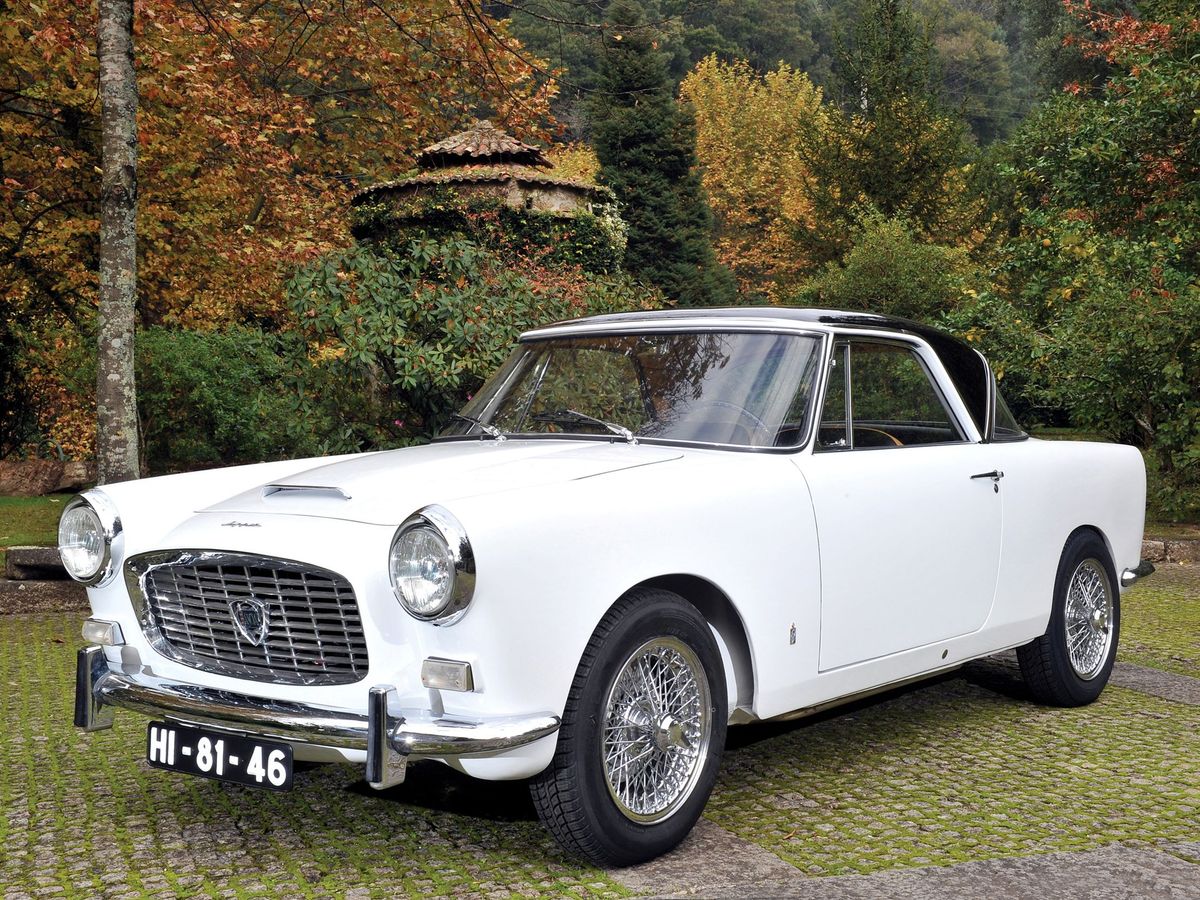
[{"x": 224, "y": 757}]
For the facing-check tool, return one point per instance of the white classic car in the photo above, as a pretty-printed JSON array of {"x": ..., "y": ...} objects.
[{"x": 643, "y": 529}]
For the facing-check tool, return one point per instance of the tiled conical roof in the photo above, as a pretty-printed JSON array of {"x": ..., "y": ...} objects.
[{"x": 483, "y": 144}]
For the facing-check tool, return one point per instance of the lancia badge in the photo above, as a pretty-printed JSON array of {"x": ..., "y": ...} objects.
[{"x": 250, "y": 619}]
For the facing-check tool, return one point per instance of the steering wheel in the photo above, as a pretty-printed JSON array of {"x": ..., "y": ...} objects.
[
  {"x": 886, "y": 435},
  {"x": 757, "y": 425}
]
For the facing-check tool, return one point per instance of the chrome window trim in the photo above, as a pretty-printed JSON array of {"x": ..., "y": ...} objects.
[
  {"x": 917, "y": 348},
  {"x": 138, "y": 567},
  {"x": 989, "y": 429},
  {"x": 455, "y": 536},
  {"x": 848, "y": 387},
  {"x": 824, "y": 336},
  {"x": 700, "y": 324}
]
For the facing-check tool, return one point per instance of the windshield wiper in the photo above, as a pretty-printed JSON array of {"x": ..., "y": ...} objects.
[
  {"x": 489, "y": 430},
  {"x": 574, "y": 417}
]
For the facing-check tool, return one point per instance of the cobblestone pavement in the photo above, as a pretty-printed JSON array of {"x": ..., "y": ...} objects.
[{"x": 956, "y": 788}]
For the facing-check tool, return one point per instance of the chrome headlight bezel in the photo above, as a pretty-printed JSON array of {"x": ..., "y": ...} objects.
[
  {"x": 111, "y": 532},
  {"x": 462, "y": 589}
]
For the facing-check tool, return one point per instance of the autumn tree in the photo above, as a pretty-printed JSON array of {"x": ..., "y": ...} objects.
[
  {"x": 750, "y": 135},
  {"x": 974, "y": 69},
  {"x": 645, "y": 141},
  {"x": 255, "y": 122}
]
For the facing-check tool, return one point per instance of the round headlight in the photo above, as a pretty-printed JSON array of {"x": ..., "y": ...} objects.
[
  {"x": 422, "y": 570},
  {"x": 432, "y": 567},
  {"x": 86, "y": 532}
]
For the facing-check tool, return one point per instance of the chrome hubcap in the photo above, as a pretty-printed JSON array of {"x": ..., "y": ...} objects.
[
  {"x": 1088, "y": 618},
  {"x": 656, "y": 729}
]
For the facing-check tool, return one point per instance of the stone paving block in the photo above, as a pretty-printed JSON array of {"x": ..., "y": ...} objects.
[
  {"x": 947, "y": 789},
  {"x": 710, "y": 860},
  {"x": 1111, "y": 873},
  {"x": 1168, "y": 685}
]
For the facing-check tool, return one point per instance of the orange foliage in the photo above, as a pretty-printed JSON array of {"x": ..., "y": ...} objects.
[
  {"x": 750, "y": 131},
  {"x": 1118, "y": 35},
  {"x": 256, "y": 122}
]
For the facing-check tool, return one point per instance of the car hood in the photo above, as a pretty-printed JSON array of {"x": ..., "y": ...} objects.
[{"x": 384, "y": 488}]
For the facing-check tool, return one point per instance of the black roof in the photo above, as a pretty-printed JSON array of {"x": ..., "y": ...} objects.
[{"x": 965, "y": 365}]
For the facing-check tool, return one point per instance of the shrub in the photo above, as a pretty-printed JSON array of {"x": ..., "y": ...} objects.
[
  {"x": 208, "y": 398},
  {"x": 398, "y": 339},
  {"x": 889, "y": 270}
]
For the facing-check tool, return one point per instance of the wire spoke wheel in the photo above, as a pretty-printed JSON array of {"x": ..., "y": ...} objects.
[
  {"x": 642, "y": 733},
  {"x": 1088, "y": 618},
  {"x": 1070, "y": 664},
  {"x": 656, "y": 729}
]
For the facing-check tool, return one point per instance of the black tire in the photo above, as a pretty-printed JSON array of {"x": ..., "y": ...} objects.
[
  {"x": 573, "y": 795},
  {"x": 1046, "y": 663}
]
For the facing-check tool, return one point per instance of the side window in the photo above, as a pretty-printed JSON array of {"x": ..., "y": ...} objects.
[
  {"x": 892, "y": 401},
  {"x": 834, "y": 432}
]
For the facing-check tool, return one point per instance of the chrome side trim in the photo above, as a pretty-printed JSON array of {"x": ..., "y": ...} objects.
[
  {"x": 385, "y": 730},
  {"x": 806, "y": 711},
  {"x": 1130, "y": 577}
]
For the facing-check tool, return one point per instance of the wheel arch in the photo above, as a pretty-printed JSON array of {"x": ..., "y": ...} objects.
[
  {"x": 722, "y": 616},
  {"x": 1098, "y": 532}
]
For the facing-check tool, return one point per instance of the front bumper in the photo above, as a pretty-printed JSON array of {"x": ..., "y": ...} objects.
[{"x": 389, "y": 734}]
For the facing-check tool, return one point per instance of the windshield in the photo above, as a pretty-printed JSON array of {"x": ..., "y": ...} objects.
[{"x": 749, "y": 389}]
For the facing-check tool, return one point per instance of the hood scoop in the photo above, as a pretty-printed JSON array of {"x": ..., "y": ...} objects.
[{"x": 312, "y": 490}]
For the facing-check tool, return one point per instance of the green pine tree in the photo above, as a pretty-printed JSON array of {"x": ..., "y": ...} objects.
[
  {"x": 646, "y": 143},
  {"x": 891, "y": 149}
]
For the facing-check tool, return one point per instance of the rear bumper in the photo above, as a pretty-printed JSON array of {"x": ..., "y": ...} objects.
[
  {"x": 389, "y": 734},
  {"x": 1130, "y": 577}
]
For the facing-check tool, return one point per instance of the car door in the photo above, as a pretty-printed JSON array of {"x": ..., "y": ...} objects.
[{"x": 908, "y": 519}]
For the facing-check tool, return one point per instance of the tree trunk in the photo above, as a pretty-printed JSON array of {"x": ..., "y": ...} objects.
[{"x": 116, "y": 395}]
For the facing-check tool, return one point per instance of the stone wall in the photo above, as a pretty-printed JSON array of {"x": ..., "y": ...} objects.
[{"x": 35, "y": 477}]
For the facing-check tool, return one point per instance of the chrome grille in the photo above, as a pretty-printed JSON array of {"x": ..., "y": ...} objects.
[{"x": 190, "y": 603}]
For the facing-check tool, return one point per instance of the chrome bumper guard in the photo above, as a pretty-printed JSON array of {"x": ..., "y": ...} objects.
[
  {"x": 1130, "y": 577},
  {"x": 388, "y": 733}
]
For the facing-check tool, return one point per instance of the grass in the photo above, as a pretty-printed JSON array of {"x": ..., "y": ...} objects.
[
  {"x": 1160, "y": 621},
  {"x": 29, "y": 521},
  {"x": 958, "y": 772},
  {"x": 1172, "y": 531}
]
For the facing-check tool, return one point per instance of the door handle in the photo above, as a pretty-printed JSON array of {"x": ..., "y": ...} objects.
[{"x": 995, "y": 475}]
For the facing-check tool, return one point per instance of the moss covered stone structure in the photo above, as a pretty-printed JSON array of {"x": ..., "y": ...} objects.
[{"x": 485, "y": 185}]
